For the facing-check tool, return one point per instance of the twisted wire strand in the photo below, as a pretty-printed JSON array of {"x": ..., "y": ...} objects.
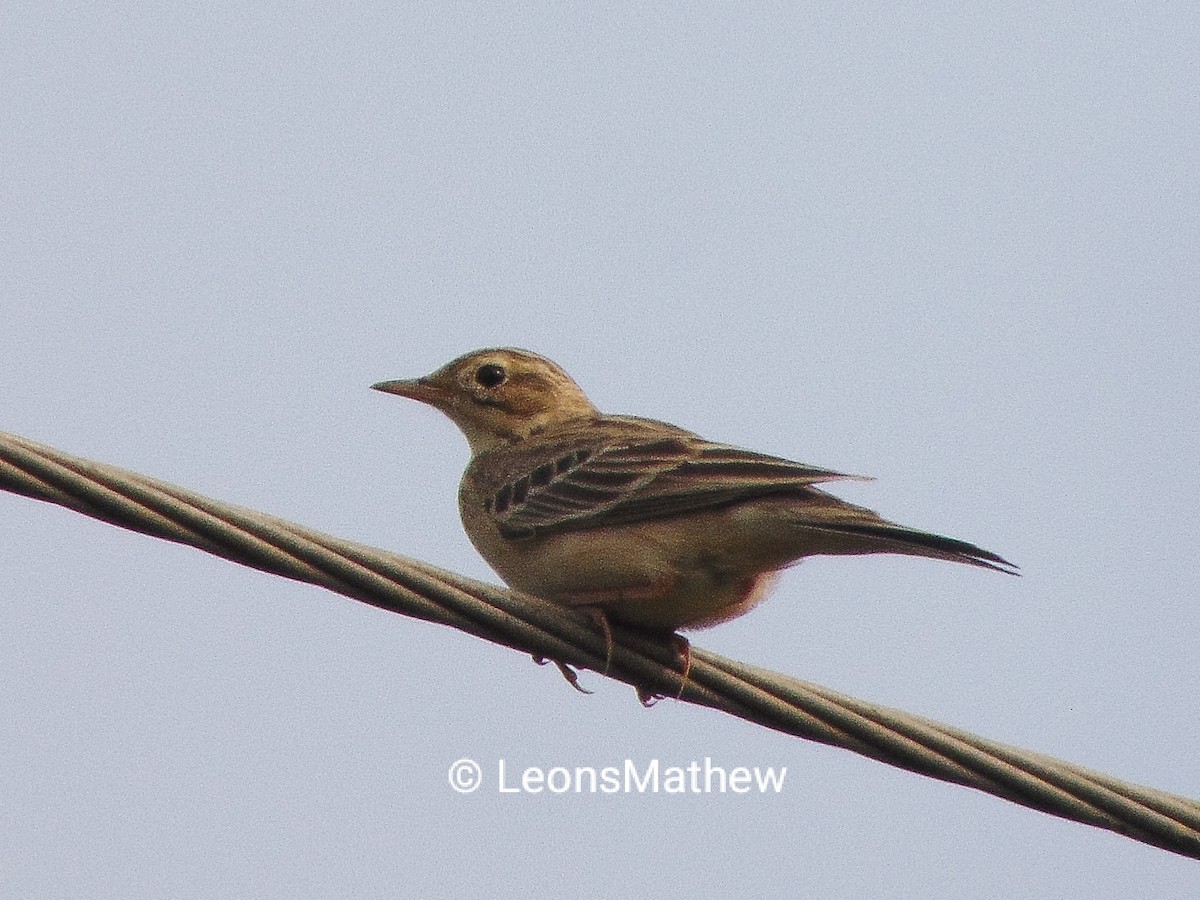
[{"x": 398, "y": 584}]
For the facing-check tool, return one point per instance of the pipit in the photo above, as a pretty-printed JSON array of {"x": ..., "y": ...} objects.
[{"x": 632, "y": 519}]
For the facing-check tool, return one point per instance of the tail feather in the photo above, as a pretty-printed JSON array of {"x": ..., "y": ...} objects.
[{"x": 898, "y": 539}]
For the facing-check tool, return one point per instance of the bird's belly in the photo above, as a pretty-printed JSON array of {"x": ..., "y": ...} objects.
[
  {"x": 699, "y": 600},
  {"x": 659, "y": 575}
]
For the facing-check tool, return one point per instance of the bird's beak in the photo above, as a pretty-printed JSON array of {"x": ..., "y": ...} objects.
[{"x": 414, "y": 388}]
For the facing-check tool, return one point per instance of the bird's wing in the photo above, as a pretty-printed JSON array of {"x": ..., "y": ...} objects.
[{"x": 632, "y": 479}]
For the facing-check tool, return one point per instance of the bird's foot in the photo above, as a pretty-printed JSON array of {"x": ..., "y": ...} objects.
[
  {"x": 683, "y": 656},
  {"x": 600, "y": 618},
  {"x": 567, "y": 672}
]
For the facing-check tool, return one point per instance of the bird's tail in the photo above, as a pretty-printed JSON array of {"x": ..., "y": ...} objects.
[
  {"x": 894, "y": 538},
  {"x": 847, "y": 528}
]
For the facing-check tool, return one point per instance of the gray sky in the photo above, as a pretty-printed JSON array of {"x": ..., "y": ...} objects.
[{"x": 954, "y": 250}]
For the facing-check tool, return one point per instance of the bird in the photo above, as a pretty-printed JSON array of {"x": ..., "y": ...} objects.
[{"x": 633, "y": 520}]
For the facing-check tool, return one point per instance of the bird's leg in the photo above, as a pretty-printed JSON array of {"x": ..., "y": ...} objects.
[
  {"x": 600, "y": 617},
  {"x": 594, "y": 604},
  {"x": 683, "y": 648},
  {"x": 683, "y": 653}
]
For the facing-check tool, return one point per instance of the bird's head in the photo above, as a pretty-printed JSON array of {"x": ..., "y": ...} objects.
[{"x": 498, "y": 397}]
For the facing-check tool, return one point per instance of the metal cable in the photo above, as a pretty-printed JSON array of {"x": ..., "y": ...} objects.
[{"x": 413, "y": 588}]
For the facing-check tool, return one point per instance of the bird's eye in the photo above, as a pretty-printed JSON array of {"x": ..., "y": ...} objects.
[{"x": 490, "y": 374}]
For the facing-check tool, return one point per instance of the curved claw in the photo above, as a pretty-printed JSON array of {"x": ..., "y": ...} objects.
[
  {"x": 567, "y": 672},
  {"x": 647, "y": 697}
]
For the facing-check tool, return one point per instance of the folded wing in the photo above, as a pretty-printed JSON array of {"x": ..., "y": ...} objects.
[{"x": 632, "y": 481}]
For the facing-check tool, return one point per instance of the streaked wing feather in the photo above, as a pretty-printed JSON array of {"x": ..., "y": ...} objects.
[{"x": 639, "y": 480}]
